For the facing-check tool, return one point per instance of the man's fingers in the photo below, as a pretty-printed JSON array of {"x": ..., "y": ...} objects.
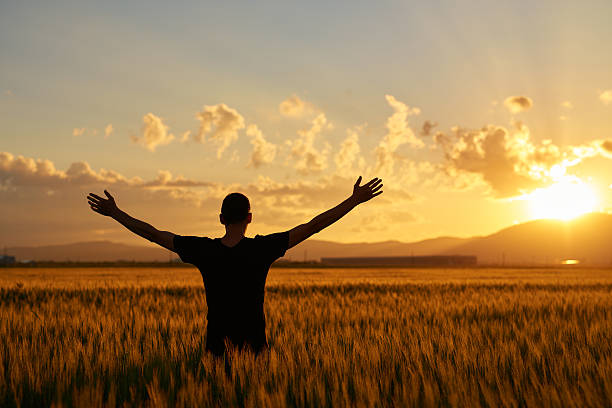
[
  {"x": 378, "y": 187},
  {"x": 358, "y": 181},
  {"x": 369, "y": 183},
  {"x": 108, "y": 195},
  {"x": 96, "y": 196},
  {"x": 377, "y": 183},
  {"x": 95, "y": 200},
  {"x": 378, "y": 193}
]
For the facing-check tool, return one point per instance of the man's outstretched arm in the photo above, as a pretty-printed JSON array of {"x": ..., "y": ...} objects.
[
  {"x": 108, "y": 207},
  {"x": 361, "y": 194}
]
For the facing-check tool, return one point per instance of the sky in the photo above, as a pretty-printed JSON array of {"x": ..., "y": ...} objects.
[{"x": 477, "y": 115}]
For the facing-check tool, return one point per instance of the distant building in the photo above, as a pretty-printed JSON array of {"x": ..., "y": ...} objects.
[
  {"x": 7, "y": 260},
  {"x": 408, "y": 261}
]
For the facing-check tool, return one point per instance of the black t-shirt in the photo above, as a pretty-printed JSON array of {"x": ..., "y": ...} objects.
[{"x": 234, "y": 279}]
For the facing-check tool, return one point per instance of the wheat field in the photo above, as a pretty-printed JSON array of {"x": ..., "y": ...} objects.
[{"x": 338, "y": 337}]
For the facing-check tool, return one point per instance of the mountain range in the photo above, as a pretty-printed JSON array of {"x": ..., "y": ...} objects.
[{"x": 586, "y": 238}]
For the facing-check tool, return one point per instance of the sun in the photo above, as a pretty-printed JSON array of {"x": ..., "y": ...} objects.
[{"x": 566, "y": 199}]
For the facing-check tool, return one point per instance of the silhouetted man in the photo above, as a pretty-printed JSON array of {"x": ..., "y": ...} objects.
[{"x": 234, "y": 267}]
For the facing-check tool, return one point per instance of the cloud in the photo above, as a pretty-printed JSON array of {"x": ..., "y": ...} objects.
[
  {"x": 326, "y": 190},
  {"x": 427, "y": 127},
  {"x": 606, "y": 146},
  {"x": 349, "y": 152},
  {"x": 221, "y": 123},
  {"x": 263, "y": 151},
  {"x": 509, "y": 162},
  {"x": 164, "y": 179},
  {"x": 567, "y": 105},
  {"x": 295, "y": 107},
  {"x": 154, "y": 133},
  {"x": 307, "y": 158},
  {"x": 606, "y": 96},
  {"x": 516, "y": 104},
  {"x": 108, "y": 130},
  {"x": 185, "y": 136},
  {"x": 78, "y": 131},
  {"x": 48, "y": 204},
  {"x": 398, "y": 133},
  {"x": 19, "y": 171}
]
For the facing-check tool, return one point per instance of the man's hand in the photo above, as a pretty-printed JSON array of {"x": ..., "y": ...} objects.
[
  {"x": 104, "y": 206},
  {"x": 360, "y": 195},
  {"x": 369, "y": 190}
]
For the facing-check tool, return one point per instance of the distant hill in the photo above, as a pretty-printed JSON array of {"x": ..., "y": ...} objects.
[
  {"x": 313, "y": 249},
  {"x": 586, "y": 238},
  {"x": 93, "y": 251}
]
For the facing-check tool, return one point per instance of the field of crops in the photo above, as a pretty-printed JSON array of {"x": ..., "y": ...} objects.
[{"x": 338, "y": 337}]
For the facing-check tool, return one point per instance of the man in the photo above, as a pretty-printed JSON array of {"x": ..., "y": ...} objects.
[{"x": 234, "y": 267}]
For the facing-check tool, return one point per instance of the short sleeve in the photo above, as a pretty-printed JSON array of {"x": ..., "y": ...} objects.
[
  {"x": 274, "y": 245},
  {"x": 188, "y": 248}
]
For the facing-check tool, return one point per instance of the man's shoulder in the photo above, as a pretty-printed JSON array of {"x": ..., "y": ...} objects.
[
  {"x": 275, "y": 235},
  {"x": 191, "y": 240},
  {"x": 193, "y": 237}
]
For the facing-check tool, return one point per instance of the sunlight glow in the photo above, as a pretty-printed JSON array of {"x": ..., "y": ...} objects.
[{"x": 564, "y": 200}]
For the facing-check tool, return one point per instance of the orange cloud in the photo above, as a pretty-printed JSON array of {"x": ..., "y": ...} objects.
[
  {"x": 154, "y": 133},
  {"x": 221, "y": 123},
  {"x": 516, "y": 104},
  {"x": 398, "y": 133},
  {"x": 19, "y": 171},
  {"x": 108, "y": 130},
  {"x": 509, "y": 162},
  {"x": 263, "y": 151},
  {"x": 349, "y": 152},
  {"x": 307, "y": 158},
  {"x": 606, "y": 96},
  {"x": 295, "y": 107}
]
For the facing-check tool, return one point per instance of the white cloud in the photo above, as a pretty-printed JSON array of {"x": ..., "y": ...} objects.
[
  {"x": 78, "y": 131},
  {"x": 154, "y": 133},
  {"x": 516, "y": 104},
  {"x": 263, "y": 152},
  {"x": 226, "y": 123}
]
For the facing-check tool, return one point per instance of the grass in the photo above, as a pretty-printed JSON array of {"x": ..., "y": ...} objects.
[{"x": 367, "y": 337}]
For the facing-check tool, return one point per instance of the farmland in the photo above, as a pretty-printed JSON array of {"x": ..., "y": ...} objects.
[{"x": 338, "y": 337}]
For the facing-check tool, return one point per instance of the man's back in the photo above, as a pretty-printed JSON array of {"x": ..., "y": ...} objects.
[{"x": 234, "y": 279}]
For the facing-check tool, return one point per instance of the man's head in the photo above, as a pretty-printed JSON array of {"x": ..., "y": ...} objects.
[{"x": 235, "y": 209}]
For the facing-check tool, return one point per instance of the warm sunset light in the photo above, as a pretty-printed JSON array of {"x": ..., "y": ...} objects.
[
  {"x": 564, "y": 200},
  {"x": 305, "y": 203}
]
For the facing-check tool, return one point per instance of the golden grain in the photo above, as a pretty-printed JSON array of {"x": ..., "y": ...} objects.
[{"x": 361, "y": 337}]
